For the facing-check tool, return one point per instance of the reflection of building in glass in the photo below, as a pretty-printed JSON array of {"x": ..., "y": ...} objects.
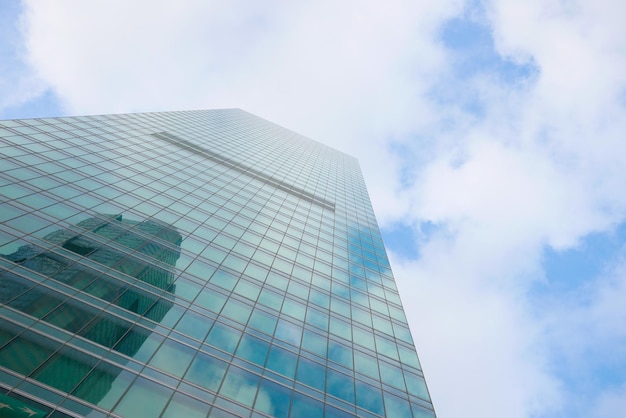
[
  {"x": 146, "y": 251},
  {"x": 279, "y": 301}
]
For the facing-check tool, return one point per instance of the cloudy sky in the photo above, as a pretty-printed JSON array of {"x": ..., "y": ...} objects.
[{"x": 490, "y": 133}]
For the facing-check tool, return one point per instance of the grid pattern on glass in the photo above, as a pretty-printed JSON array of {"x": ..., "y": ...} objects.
[{"x": 143, "y": 269}]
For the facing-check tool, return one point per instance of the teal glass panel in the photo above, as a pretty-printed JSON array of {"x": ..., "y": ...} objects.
[
  {"x": 391, "y": 375},
  {"x": 173, "y": 358},
  {"x": 182, "y": 405},
  {"x": 253, "y": 349},
  {"x": 139, "y": 343},
  {"x": 263, "y": 321},
  {"x": 317, "y": 319},
  {"x": 65, "y": 369},
  {"x": 103, "y": 385},
  {"x": 224, "y": 280},
  {"x": 27, "y": 352},
  {"x": 288, "y": 332},
  {"x": 386, "y": 347},
  {"x": 206, "y": 371},
  {"x": 311, "y": 373},
  {"x": 240, "y": 385},
  {"x": 187, "y": 289},
  {"x": 247, "y": 290},
  {"x": 282, "y": 361},
  {"x": 315, "y": 343},
  {"x": 340, "y": 328},
  {"x": 293, "y": 309},
  {"x": 421, "y": 412},
  {"x": 332, "y": 412},
  {"x": 237, "y": 311},
  {"x": 303, "y": 406},
  {"x": 363, "y": 338},
  {"x": 408, "y": 356},
  {"x": 370, "y": 398},
  {"x": 144, "y": 398},
  {"x": 340, "y": 354},
  {"x": 273, "y": 399},
  {"x": 211, "y": 300},
  {"x": 340, "y": 385},
  {"x": 194, "y": 325},
  {"x": 224, "y": 337},
  {"x": 396, "y": 407},
  {"x": 416, "y": 385},
  {"x": 366, "y": 364}
]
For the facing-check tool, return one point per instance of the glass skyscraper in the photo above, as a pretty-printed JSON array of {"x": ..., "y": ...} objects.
[{"x": 193, "y": 264}]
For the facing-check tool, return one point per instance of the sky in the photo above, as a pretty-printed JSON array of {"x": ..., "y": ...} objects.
[{"x": 490, "y": 134}]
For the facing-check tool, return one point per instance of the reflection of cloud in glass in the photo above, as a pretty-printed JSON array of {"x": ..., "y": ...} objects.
[
  {"x": 289, "y": 332},
  {"x": 370, "y": 261},
  {"x": 206, "y": 371}
]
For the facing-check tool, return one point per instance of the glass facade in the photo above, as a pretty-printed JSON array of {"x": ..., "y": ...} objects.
[{"x": 193, "y": 264}]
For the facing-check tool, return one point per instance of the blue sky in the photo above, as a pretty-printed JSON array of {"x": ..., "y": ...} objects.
[{"x": 490, "y": 134}]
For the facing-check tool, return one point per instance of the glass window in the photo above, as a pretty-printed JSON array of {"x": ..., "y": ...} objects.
[
  {"x": 311, "y": 373},
  {"x": 237, "y": 311},
  {"x": 396, "y": 407},
  {"x": 408, "y": 357},
  {"x": 270, "y": 299},
  {"x": 416, "y": 385},
  {"x": 277, "y": 280},
  {"x": 235, "y": 263},
  {"x": 366, "y": 364},
  {"x": 247, "y": 290},
  {"x": 340, "y": 385},
  {"x": 224, "y": 337},
  {"x": 402, "y": 333},
  {"x": 253, "y": 349},
  {"x": 144, "y": 398},
  {"x": 288, "y": 332},
  {"x": 293, "y": 309},
  {"x": 173, "y": 357},
  {"x": 315, "y": 343},
  {"x": 420, "y": 412},
  {"x": 391, "y": 375},
  {"x": 224, "y": 280},
  {"x": 317, "y": 318},
  {"x": 340, "y": 354},
  {"x": 240, "y": 385},
  {"x": 303, "y": 406},
  {"x": 263, "y": 321},
  {"x": 273, "y": 399},
  {"x": 282, "y": 361},
  {"x": 93, "y": 389},
  {"x": 386, "y": 347},
  {"x": 185, "y": 406},
  {"x": 194, "y": 325},
  {"x": 340, "y": 328},
  {"x": 65, "y": 369},
  {"x": 214, "y": 254},
  {"x": 382, "y": 325},
  {"x": 206, "y": 371},
  {"x": 200, "y": 269},
  {"x": 370, "y": 398},
  {"x": 26, "y": 352},
  {"x": 256, "y": 272},
  {"x": 186, "y": 289}
]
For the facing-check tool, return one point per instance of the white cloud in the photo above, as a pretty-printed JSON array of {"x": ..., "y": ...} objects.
[
  {"x": 542, "y": 164},
  {"x": 477, "y": 344},
  {"x": 18, "y": 83}
]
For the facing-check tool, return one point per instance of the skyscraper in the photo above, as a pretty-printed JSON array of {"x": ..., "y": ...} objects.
[{"x": 200, "y": 263}]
